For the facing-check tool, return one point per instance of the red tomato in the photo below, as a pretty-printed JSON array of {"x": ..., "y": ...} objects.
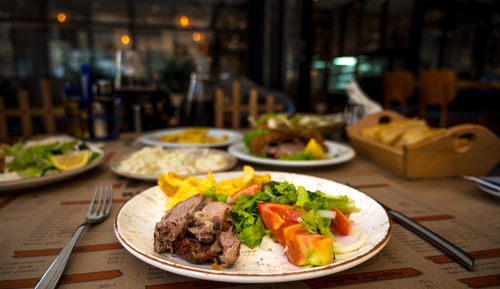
[
  {"x": 303, "y": 248},
  {"x": 276, "y": 216},
  {"x": 342, "y": 223},
  {"x": 251, "y": 189}
]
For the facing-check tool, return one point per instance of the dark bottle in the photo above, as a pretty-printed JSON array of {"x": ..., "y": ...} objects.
[{"x": 197, "y": 108}]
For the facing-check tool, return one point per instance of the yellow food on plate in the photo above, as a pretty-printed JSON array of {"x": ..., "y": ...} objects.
[
  {"x": 315, "y": 150},
  {"x": 71, "y": 161},
  {"x": 192, "y": 135},
  {"x": 179, "y": 188},
  {"x": 400, "y": 132}
]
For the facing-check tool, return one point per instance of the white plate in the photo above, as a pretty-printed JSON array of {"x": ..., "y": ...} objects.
[
  {"x": 135, "y": 222},
  {"x": 489, "y": 190},
  {"x": 338, "y": 153},
  {"x": 43, "y": 180},
  {"x": 231, "y": 162},
  {"x": 153, "y": 138}
]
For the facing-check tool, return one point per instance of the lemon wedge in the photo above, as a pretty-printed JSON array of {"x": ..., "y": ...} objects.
[
  {"x": 71, "y": 161},
  {"x": 315, "y": 149}
]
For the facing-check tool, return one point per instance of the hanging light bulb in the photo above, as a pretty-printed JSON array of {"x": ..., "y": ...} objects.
[
  {"x": 184, "y": 21},
  {"x": 125, "y": 39},
  {"x": 197, "y": 36},
  {"x": 61, "y": 17}
]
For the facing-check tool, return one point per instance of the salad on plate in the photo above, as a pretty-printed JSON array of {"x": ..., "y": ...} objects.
[
  {"x": 209, "y": 221},
  {"x": 297, "y": 144},
  {"x": 44, "y": 157}
]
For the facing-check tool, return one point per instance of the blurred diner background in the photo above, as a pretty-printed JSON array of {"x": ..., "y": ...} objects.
[{"x": 95, "y": 68}]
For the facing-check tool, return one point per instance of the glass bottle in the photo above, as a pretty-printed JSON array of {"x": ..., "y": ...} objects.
[{"x": 197, "y": 106}]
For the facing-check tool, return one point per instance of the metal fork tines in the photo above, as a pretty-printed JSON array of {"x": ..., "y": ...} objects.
[{"x": 99, "y": 208}]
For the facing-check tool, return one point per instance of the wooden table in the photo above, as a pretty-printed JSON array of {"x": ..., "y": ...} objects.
[{"x": 36, "y": 223}]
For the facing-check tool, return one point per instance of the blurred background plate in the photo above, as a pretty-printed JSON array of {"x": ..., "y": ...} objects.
[
  {"x": 48, "y": 179},
  {"x": 338, "y": 153},
  {"x": 489, "y": 190},
  {"x": 192, "y": 152},
  {"x": 326, "y": 124},
  {"x": 153, "y": 138}
]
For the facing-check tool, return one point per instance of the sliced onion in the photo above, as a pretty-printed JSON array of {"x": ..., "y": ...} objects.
[
  {"x": 327, "y": 214},
  {"x": 351, "y": 247}
]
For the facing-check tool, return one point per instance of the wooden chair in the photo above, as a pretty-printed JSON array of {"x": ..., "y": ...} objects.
[
  {"x": 26, "y": 113},
  {"x": 235, "y": 108},
  {"x": 398, "y": 87},
  {"x": 438, "y": 88}
]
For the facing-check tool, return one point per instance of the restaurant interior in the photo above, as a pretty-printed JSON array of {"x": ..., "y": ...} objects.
[
  {"x": 239, "y": 143},
  {"x": 303, "y": 52}
]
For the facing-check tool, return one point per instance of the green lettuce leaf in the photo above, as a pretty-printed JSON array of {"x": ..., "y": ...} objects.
[
  {"x": 316, "y": 224},
  {"x": 211, "y": 193}
]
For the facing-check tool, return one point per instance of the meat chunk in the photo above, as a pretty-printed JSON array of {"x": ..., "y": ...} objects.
[
  {"x": 200, "y": 230},
  {"x": 218, "y": 214},
  {"x": 204, "y": 233},
  {"x": 175, "y": 222},
  {"x": 282, "y": 150},
  {"x": 230, "y": 248},
  {"x": 193, "y": 251},
  {"x": 271, "y": 143}
]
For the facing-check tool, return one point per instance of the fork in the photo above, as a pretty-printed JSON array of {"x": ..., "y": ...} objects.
[{"x": 99, "y": 208}]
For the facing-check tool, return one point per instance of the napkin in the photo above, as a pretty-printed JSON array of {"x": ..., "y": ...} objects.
[{"x": 357, "y": 96}]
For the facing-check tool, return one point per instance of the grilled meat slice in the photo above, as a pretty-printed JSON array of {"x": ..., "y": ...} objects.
[
  {"x": 196, "y": 252},
  {"x": 200, "y": 230},
  {"x": 286, "y": 149},
  {"x": 204, "y": 233},
  {"x": 175, "y": 222},
  {"x": 207, "y": 223},
  {"x": 230, "y": 247},
  {"x": 268, "y": 143},
  {"x": 218, "y": 214}
]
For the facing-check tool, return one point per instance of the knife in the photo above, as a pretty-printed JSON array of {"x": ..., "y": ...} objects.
[
  {"x": 485, "y": 182},
  {"x": 462, "y": 257}
]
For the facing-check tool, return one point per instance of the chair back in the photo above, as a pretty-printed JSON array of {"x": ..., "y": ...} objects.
[
  {"x": 224, "y": 105},
  {"x": 398, "y": 86},
  {"x": 25, "y": 112},
  {"x": 437, "y": 87}
]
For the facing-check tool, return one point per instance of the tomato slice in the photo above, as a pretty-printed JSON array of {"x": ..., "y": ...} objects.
[
  {"x": 302, "y": 247},
  {"x": 305, "y": 249},
  {"x": 276, "y": 216},
  {"x": 342, "y": 223},
  {"x": 251, "y": 189}
]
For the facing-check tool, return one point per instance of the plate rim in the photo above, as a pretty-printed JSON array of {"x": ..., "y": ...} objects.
[
  {"x": 232, "y": 161},
  {"x": 256, "y": 277},
  {"x": 234, "y": 149},
  {"x": 233, "y": 137},
  {"x": 61, "y": 176}
]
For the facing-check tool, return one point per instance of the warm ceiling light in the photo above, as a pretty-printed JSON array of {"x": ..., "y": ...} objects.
[
  {"x": 184, "y": 21},
  {"x": 125, "y": 39},
  {"x": 61, "y": 17},
  {"x": 197, "y": 36}
]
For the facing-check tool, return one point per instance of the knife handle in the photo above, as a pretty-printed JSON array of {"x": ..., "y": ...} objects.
[{"x": 439, "y": 242}]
